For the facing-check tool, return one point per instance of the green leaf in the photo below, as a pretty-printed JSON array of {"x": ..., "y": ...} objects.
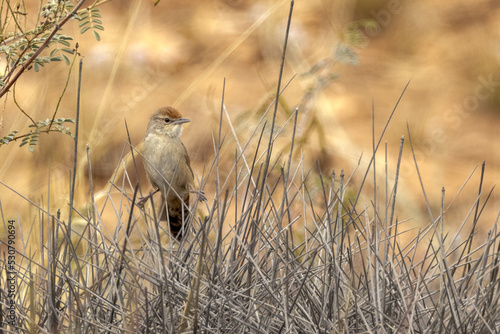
[
  {"x": 66, "y": 59},
  {"x": 83, "y": 23},
  {"x": 84, "y": 30},
  {"x": 63, "y": 42},
  {"x": 37, "y": 68},
  {"x": 33, "y": 141},
  {"x": 55, "y": 58},
  {"x": 96, "y": 35},
  {"x": 10, "y": 137},
  {"x": 12, "y": 134},
  {"x": 99, "y": 27}
]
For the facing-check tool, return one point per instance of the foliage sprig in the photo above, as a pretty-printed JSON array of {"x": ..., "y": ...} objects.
[
  {"x": 22, "y": 48},
  {"x": 45, "y": 126}
]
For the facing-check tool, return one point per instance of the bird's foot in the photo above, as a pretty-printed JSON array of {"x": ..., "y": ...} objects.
[
  {"x": 144, "y": 199},
  {"x": 200, "y": 195}
]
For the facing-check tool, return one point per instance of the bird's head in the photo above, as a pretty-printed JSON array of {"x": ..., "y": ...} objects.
[{"x": 167, "y": 121}]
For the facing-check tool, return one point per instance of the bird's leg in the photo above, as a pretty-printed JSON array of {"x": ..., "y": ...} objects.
[
  {"x": 143, "y": 200},
  {"x": 200, "y": 195}
]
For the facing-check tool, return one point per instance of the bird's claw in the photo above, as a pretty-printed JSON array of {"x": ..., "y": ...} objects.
[
  {"x": 200, "y": 195},
  {"x": 144, "y": 199}
]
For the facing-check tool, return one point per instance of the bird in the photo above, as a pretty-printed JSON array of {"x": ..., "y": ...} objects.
[{"x": 168, "y": 167}]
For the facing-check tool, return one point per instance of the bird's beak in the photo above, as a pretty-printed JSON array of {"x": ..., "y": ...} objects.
[{"x": 181, "y": 121}]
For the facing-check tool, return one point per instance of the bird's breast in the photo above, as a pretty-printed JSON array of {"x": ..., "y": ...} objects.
[{"x": 166, "y": 162}]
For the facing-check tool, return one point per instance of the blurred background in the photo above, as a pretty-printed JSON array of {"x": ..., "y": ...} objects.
[{"x": 345, "y": 59}]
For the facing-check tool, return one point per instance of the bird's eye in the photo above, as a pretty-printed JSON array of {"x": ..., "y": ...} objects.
[{"x": 167, "y": 120}]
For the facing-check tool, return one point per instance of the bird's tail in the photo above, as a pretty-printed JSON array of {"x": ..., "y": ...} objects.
[{"x": 175, "y": 213}]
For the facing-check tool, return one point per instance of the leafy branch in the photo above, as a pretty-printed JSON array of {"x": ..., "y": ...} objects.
[
  {"x": 23, "y": 47},
  {"x": 19, "y": 67},
  {"x": 90, "y": 19},
  {"x": 45, "y": 126}
]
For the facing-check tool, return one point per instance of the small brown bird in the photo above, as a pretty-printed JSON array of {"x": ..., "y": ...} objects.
[{"x": 168, "y": 167}]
